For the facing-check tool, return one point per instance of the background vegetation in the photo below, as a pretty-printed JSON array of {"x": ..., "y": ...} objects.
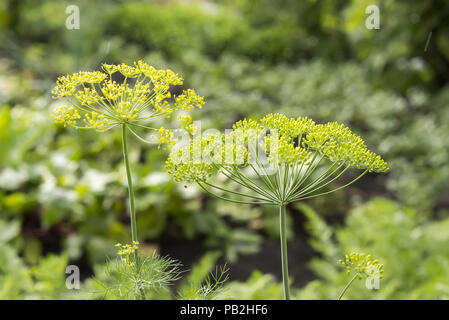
[{"x": 62, "y": 192}]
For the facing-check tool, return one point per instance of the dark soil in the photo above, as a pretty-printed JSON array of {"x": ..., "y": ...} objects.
[{"x": 267, "y": 260}]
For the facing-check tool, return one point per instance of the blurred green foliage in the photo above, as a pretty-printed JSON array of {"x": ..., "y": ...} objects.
[
  {"x": 63, "y": 191},
  {"x": 413, "y": 250}
]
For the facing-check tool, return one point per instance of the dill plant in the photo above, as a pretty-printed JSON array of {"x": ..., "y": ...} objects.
[
  {"x": 273, "y": 161},
  {"x": 97, "y": 101},
  {"x": 128, "y": 277}
]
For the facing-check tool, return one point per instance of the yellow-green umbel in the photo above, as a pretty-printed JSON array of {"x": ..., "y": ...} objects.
[
  {"x": 362, "y": 265},
  {"x": 276, "y": 160},
  {"x": 98, "y": 102}
]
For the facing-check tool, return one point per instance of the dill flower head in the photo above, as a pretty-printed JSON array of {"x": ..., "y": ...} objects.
[
  {"x": 96, "y": 101},
  {"x": 363, "y": 265},
  {"x": 277, "y": 158}
]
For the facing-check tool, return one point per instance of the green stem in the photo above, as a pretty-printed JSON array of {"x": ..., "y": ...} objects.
[
  {"x": 132, "y": 206},
  {"x": 283, "y": 233},
  {"x": 347, "y": 286}
]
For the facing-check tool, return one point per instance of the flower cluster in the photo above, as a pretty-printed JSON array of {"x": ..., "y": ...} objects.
[
  {"x": 331, "y": 140},
  {"x": 362, "y": 265},
  {"x": 99, "y": 102},
  {"x": 66, "y": 115},
  {"x": 127, "y": 253},
  {"x": 288, "y": 127},
  {"x": 282, "y": 152}
]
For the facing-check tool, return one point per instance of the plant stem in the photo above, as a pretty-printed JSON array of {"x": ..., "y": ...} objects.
[
  {"x": 283, "y": 233},
  {"x": 132, "y": 206},
  {"x": 347, "y": 286}
]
